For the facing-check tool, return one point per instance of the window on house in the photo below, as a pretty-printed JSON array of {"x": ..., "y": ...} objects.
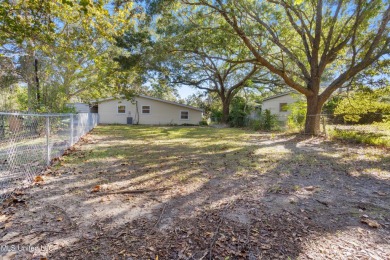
[
  {"x": 121, "y": 109},
  {"x": 283, "y": 107},
  {"x": 145, "y": 109},
  {"x": 184, "y": 115}
]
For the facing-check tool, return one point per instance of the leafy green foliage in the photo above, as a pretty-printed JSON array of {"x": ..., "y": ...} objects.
[
  {"x": 265, "y": 121},
  {"x": 330, "y": 106},
  {"x": 62, "y": 50},
  {"x": 316, "y": 47},
  {"x": 239, "y": 110},
  {"x": 175, "y": 51},
  {"x": 203, "y": 123},
  {"x": 25, "y": 19},
  {"x": 216, "y": 115},
  {"x": 297, "y": 117},
  {"x": 365, "y": 106},
  {"x": 8, "y": 101},
  {"x": 202, "y": 101}
]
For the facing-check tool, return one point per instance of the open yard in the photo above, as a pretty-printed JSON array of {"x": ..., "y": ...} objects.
[{"x": 137, "y": 192}]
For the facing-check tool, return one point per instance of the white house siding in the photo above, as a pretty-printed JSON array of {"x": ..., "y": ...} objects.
[
  {"x": 108, "y": 112},
  {"x": 161, "y": 113},
  {"x": 274, "y": 105}
]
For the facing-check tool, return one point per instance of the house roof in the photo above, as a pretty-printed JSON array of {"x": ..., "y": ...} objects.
[
  {"x": 280, "y": 95},
  {"x": 152, "y": 98}
]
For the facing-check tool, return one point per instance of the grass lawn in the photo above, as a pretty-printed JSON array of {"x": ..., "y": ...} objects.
[
  {"x": 375, "y": 134},
  {"x": 137, "y": 192}
]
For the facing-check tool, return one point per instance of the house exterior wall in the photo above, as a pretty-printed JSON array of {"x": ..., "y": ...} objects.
[
  {"x": 108, "y": 111},
  {"x": 274, "y": 105},
  {"x": 161, "y": 113}
]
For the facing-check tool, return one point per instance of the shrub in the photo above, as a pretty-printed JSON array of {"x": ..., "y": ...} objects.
[
  {"x": 216, "y": 115},
  {"x": 203, "y": 123},
  {"x": 237, "y": 118},
  {"x": 265, "y": 121},
  {"x": 364, "y": 107},
  {"x": 238, "y": 112},
  {"x": 296, "y": 119}
]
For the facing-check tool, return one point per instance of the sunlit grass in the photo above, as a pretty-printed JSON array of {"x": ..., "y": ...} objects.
[
  {"x": 195, "y": 154},
  {"x": 182, "y": 154},
  {"x": 378, "y": 139}
]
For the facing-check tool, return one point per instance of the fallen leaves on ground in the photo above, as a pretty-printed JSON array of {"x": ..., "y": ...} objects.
[
  {"x": 286, "y": 202},
  {"x": 38, "y": 179},
  {"x": 96, "y": 188}
]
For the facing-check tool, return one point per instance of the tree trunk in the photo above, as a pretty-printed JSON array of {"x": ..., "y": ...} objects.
[
  {"x": 28, "y": 75},
  {"x": 38, "y": 92},
  {"x": 225, "y": 111},
  {"x": 313, "y": 115}
]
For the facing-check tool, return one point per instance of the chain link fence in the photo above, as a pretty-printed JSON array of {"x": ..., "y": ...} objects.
[
  {"x": 29, "y": 142},
  {"x": 371, "y": 128},
  {"x": 375, "y": 124}
]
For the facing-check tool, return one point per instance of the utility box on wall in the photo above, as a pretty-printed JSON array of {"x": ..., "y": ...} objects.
[{"x": 129, "y": 120}]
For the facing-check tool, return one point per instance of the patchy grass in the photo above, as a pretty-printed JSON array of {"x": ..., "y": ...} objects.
[
  {"x": 148, "y": 146},
  {"x": 377, "y": 134},
  {"x": 361, "y": 137},
  {"x": 207, "y": 193}
]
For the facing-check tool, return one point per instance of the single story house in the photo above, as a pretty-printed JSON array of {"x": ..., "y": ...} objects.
[
  {"x": 278, "y": 104},
  {"x": 146, "y": 110}
]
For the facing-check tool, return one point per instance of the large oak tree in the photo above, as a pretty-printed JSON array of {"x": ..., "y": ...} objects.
[
  {"x": 188, "y": 48},
  {"x": 317, "y": 46},
  {"x": 199, "y": 58}
]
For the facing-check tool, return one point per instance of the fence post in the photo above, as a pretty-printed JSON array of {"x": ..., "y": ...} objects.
[
  {"x": 47, "y": 141},
  {"x": 71, "y": 130}
]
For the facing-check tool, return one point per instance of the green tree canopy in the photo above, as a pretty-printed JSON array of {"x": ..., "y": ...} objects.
[
  {"x": 316, "y": 46},
  {"x": 67, "y": 53}
]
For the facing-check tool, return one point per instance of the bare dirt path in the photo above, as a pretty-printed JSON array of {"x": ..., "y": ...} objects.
[{"x": 202, "y": 193}]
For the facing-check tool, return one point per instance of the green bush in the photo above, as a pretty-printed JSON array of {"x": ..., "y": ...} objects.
[
  {"x": 203, "y": 123},
  {"x": 254, "y": 124},
  {"x": 238, "y": 112},
  {"x": 296, "y": 119},
  {"x": 364, "y": 107},
  {"x": 237, "y": 118},
  {"x": 265, "y": 121},
  {"x": 216, "y": 115}
]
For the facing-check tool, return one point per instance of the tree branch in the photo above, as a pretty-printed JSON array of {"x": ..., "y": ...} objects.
[{"x": 261, "y": 60}]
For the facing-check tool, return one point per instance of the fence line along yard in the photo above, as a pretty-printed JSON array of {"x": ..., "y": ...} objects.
[
  {"x": 370, "y": 123},
  {"x": 29, "y": 142}
]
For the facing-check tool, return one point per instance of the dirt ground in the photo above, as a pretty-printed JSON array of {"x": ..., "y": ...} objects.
[{"x": 203, "y": 193}]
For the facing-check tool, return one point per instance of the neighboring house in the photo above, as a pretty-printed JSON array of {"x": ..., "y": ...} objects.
[
  {"x": 278, "y": 104},
  {"x": 146, "y": 110},
  {"x": 80, "y": 107}
]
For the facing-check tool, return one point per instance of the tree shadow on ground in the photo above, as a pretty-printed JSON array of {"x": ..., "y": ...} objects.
[{"x": 245, "y": 195}]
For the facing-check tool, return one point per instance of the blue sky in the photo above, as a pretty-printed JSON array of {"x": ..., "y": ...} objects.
[{"x": 186, "y": 91}]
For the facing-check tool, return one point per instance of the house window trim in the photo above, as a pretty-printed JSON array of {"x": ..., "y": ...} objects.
[
  {"x": 117, "y": 109},
  {"x": 142, "y": 109},
  {"x": 188, "y": 113},
  {"x": 281, "y": 107}
]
